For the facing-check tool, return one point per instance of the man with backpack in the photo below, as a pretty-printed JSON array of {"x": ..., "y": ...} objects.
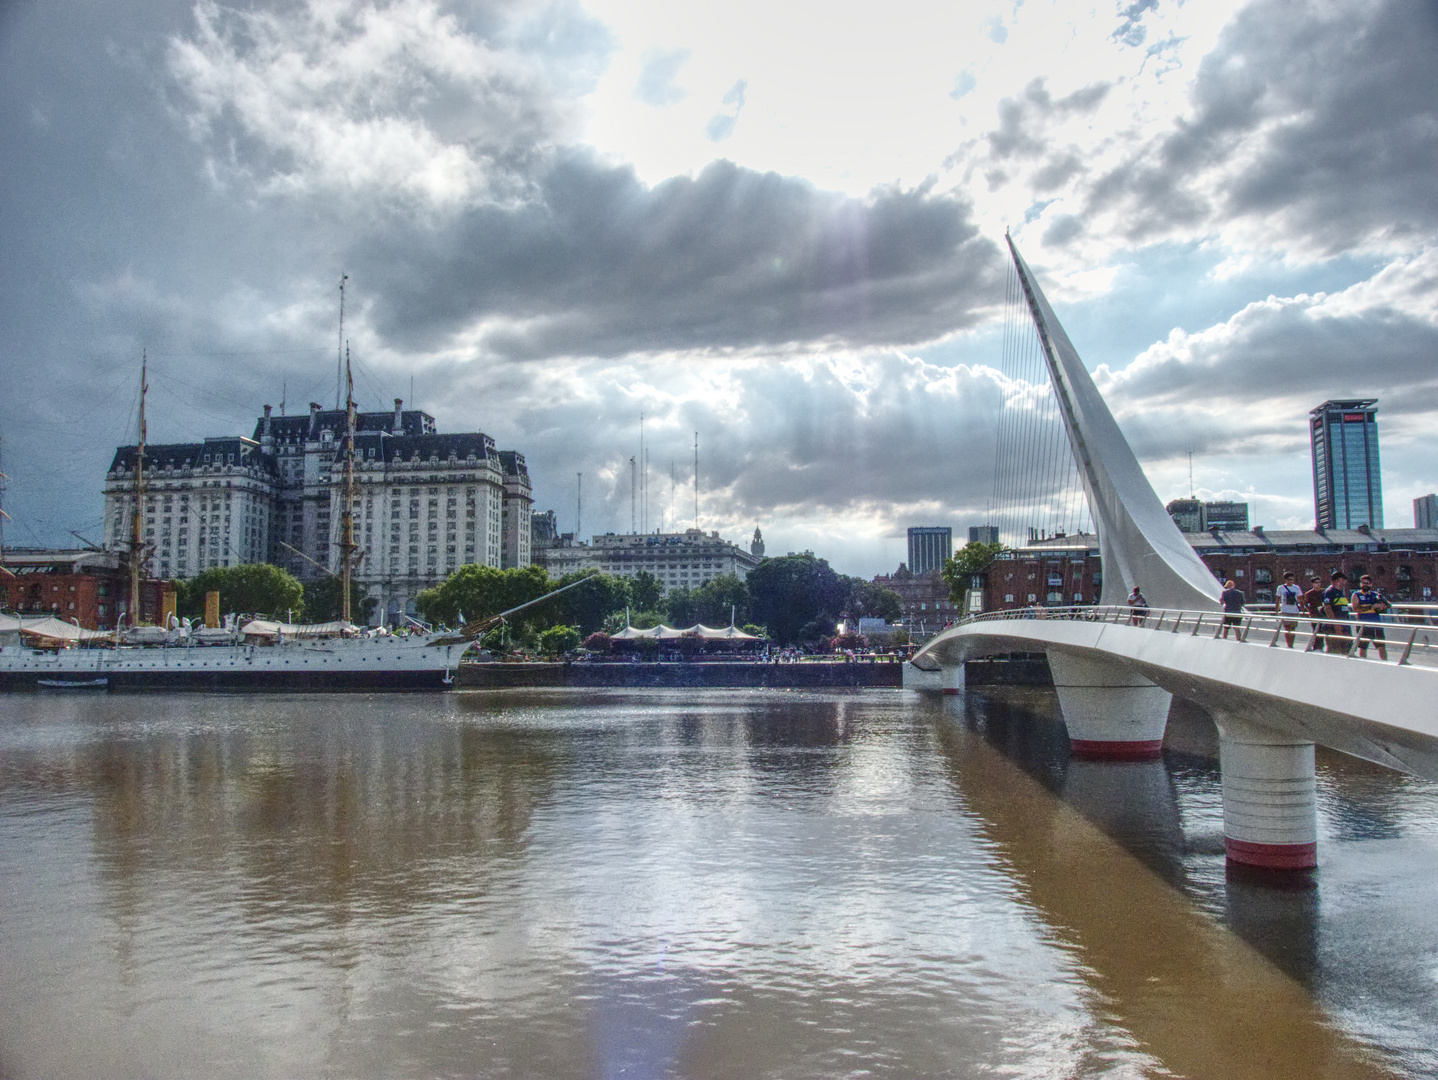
[{"x": 1288, "y": 604}]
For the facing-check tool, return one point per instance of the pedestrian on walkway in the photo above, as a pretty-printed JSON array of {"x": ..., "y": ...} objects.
[
  {"x": 1232, "y": 598},
  {"x": 1138, "y": 606},
  {"x": 1288, "y": 605},
  {"x": 1313, "y": 604},
  {"x": 1336, "y": 607},
  {"x": 1369, "y": 605}
]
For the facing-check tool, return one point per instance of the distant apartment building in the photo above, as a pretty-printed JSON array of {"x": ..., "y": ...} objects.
[
  {"x": 425, "y": 503},
  {"x": 1347, "y": 484},
  {"x": 678, "y": 560},
  {"x": 1425, "y": 512},
  {"x": 983, "y": 534},
  {"x": 1195, "y": 515},
  {"x": 930, "y": 546}
]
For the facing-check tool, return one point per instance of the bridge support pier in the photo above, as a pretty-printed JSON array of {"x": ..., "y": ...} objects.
[
  {"x": 1270, "y": 807},
  {"x": 953, "y": 679},
  {"x": 1112, "y": 714}
]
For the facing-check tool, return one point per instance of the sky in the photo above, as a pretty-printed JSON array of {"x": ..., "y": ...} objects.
[{"x": 779, "y": 225}]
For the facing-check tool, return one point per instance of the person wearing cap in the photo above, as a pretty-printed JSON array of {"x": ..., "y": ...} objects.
[
  {"x": 1337, "y": 608},
  {"x": 1286, "y": 603},
  {"x": 1369, "y": 605}
]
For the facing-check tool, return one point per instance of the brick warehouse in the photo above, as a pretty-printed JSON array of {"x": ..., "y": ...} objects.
[{"x": 1067, "y": 570}]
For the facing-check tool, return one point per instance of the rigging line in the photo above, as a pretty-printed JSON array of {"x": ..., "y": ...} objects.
[
  {"x": 992, "y": 508},
  {"x": 1005, "y": 434},
  {"x": 242, "y": 352},
  {"x": 1014, "y": 404},
  {"x": 1026, "y": 437}
]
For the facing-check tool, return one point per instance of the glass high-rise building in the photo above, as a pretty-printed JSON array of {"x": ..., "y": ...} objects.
[
  {"x": 930, "y": 546},
  {"x": 1347, "y": 487}
]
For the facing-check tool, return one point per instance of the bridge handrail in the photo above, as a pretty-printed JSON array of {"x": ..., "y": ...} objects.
[{"x": 1414, "y": 637}]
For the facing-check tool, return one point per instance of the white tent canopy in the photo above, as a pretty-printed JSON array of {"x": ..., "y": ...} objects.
[
  {"x": 669, "y": 633},
  {"x": 50, "y": 627}
]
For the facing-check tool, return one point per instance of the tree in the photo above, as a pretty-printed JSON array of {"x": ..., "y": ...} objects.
[
  {"x": 645, "y": 591},
  {"x": 588, "y": 606},
  {"x": 679, "y": 607},
  {"x": 719, "y": 598},
  {"x": 478, "y": 592},
  {"x": 322, "y": 601},
  {"x": 798, "y": 597},
  {"x": 868, "y": 600},
  {"x": 973, "y": 558},
  {"x": 254, "y": 588},
  {"x": 558, "y": 640}
]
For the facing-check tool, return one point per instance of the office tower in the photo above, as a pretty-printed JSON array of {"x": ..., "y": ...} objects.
[
  {"x": 983, "y": 534},
  {"x": 1425, "y": 512},
  {"x": 930, "y": 546},
  {"x": 1347, "y": 486}
]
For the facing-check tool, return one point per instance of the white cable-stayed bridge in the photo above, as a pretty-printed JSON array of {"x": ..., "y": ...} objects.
[{"x": 1115, "y": 673}]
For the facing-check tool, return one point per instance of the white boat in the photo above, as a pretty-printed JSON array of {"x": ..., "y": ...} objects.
[{"x": 379, "y": 662}]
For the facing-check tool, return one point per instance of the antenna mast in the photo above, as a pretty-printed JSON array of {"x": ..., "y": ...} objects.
[
  {"x": 696, "y": 479},
  {"x": 341, "y": 358},
  {"x": 347, "y": 517},
  {"x": 578, "y": 504},
  {"x": 3, "y": 518},
  {"x": 632, "y": 479},
  {"x": 1190, "y": 474},
  {"x": 136, "y": 550}
]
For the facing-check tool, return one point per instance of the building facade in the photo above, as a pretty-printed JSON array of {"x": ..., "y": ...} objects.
[
  {"x": 1403, "y": 562},
  {"x": 1347, "y": 485},
  {"x": 924, "y": 603},
  {"x": 983, "y": 534},
  {"x": 930, "y": 546},
  {"x": 425, "y": 503},
  {"x": 1425, "y": 512},
  {"x": 684, "y": 560},
  {"x": 87, "y": 586},
  {"x": 1195, "y": 515}
]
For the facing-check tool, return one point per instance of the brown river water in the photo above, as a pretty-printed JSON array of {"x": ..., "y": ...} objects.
[{"x": 606, "y": 884}]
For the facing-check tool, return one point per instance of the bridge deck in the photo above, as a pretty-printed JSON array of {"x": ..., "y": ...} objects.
[{"x": 1382, "y": 711}]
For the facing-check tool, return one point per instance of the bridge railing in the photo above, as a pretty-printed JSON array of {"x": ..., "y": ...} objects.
[{"x": 1401, "y": 638}]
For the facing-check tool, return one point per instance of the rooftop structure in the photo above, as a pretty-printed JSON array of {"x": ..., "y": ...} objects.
[{"x": 678, "y": 560}]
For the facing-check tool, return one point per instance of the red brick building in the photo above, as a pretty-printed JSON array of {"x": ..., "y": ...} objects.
[
  {"x": 1065, "y": 571},
  {"x": 91, "y": 587}
]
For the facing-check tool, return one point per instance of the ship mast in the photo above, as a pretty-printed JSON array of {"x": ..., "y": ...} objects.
[
  {"x": 347, "y": 520},
  {"x": 136, "y": 550}
]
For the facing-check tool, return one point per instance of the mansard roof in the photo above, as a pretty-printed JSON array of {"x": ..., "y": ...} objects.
[
  {"x": 308, "y": 425},
  {"x": 212, "y": 453},
  {"x": 461, "y": 445},
  {"x": 512, "y": 462}
]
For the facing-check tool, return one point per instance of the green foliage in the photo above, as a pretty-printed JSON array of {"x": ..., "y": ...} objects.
[
  {"x": 558, "y": 640},
  {"x": 253, "y": 588},
  {"x": 798, "y": 597},
  {"x": 482, "y": 591},
  {"x": 716, "y": 598},
  {"x": 840, "y": 642},
  {"x": 756, "y": 630},
  {"x": 868, "y": 600},
  {"x": 679, "y": 607},
  {"x": 973, "y": 558},
  {"x": 590, "y": 605},
  {"x": 645, "y": 591},
  {"x": 599, "y": 642},
  {"x": 322, "y": 601}
]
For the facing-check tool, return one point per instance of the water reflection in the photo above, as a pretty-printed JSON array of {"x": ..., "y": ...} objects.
[{"x": 651, "y": 884}]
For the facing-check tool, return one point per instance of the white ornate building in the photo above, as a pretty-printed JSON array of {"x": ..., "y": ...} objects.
[
  {"x": 678, "y": 560},
  {"x": 425, "y": 503}
]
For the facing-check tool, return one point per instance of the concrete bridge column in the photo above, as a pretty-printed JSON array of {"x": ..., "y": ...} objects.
[
  {"x": 1111, "y": 713},
  {"x": 953, "y": 679},
  {"x": 1270, "y": 808}
]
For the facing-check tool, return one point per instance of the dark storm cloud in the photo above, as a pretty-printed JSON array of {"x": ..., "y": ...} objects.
[
  {"x": 599, "y": 264},
  {"x": 1313, "y": 119}
]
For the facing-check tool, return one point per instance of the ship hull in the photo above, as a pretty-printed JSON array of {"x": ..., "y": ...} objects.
[{"x": 347, "y": 666}]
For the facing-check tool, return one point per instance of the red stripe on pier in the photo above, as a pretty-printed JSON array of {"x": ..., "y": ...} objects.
[
  {"x": 1272, "y": 856},
  {"x": 1099, "y": 750}
]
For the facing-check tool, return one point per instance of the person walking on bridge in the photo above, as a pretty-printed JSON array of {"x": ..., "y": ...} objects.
[
  {"x": 1336, "y": 607},
  {"x": 1313, "y": 604},
  {"x": 1287, "y": 604},
  {"x": 1138, "y": 603},
  {"x": 1369, "y": 605},
  {"x": 1232, "y": 598}
]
